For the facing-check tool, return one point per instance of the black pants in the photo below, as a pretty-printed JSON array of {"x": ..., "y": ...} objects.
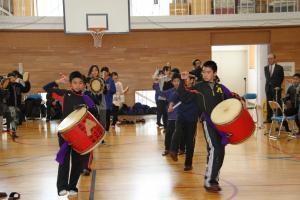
[
  {"x": 183, "y": 142},
  {"x": 169, "y": 134},
  {"x": 115, "y": 111},
  {"x": 271, "y": 96},
  {"x": 108, "y": 113},
  {"x": 188, "y": 129},
  {"x": 215, "y": 154},
  {"x": 48, "y": 111},
  {"x": 86, "y": 161},
  {"x": 291, "y": 112},
  {"x": 63, "y": 182},
  {"x": 162, "y": 111}
]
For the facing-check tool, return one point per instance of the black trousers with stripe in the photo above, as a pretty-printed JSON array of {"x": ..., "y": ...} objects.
[
  {"x": 188, "y": 129},
  {"x": 215, "y": 154},
  {"x": 67, "y": 180}
]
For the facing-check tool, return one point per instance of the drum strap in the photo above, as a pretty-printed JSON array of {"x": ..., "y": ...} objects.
[
  {"x": 60, "y": 156},
  {"x": 225, "y": 139},
  {"x": 88, "y": 101}
]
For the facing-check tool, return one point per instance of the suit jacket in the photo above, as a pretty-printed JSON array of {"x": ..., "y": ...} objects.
[{"x": 276, "y": 79}]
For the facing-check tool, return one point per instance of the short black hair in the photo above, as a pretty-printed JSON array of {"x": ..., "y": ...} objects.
[
  {"x": 217, "y": 79},
  {"x": 114, "y": 74},
  {"x": 211, "y": 64},
  {"x": 175, "y": 76},
  {"x": 194, "y": 62},
  {"x": 175, "y": 70},
  {"x": 16, "y": 74},
  {"x": 192, "y": 75},
  {"x": 297, "y": 75},
  {"x": 76, "y": 74},
  {"x": 166, "y": 68},
  {"x": 105, "y": 69},
  {"x": 11, "y": 74}
]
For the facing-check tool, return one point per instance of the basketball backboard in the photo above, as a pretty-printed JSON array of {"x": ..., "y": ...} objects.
[{"x": 112, "y": 15}]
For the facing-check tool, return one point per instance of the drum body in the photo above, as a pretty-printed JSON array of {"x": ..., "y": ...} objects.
[
  {"x": 230, "y": 117},
  {"x": 82, "y": 131},
  {"x": 97, "y": 85}
]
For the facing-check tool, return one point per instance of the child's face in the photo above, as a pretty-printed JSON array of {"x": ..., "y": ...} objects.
[
  {"x": 190, "y": 82},
  {"x": 198, "y": 64},
  {"x": 95, "y": 72},
  {"x": 176, "y": 82},
  {"x": 12, "y": 79},
  {"x": 208, "y": 74},
  {"x": 115, "y": 78},
  {"x": 296, "y": 80},
  {"x": 77, "y": 84},
  {"x": 105, "y": 74},
  {"x": 167, "y": 72}
]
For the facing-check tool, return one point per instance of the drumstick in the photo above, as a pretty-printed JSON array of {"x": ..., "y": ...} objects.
[{"x": 177, "y": 104}]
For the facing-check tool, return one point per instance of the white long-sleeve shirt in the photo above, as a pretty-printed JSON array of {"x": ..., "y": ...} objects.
[{"x": 119, "y": 97}]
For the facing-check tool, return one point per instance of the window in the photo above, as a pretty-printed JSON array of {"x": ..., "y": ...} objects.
[{"x": 145, "y": 97}]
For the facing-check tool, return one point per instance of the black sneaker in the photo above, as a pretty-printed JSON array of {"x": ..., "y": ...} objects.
[
  {"x": 213, "y": 187},
  {"x": 173, "y": 155},
  {"x": 166, "y": 152},
  {"x": 14, "y": 135},
  {"x": 86, "y": 172},
  {"x": 159, "y": 125},
  {"x": 181, "y": 152},
  {"x": 188, "y": 168}
]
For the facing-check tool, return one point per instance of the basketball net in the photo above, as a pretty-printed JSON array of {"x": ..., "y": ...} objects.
[{"x": 97, "y": 34}]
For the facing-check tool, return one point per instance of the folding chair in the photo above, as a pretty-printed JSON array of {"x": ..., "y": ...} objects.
[
  {"x": 252, "y": 104},
  {"x": 277, "y": 118}
]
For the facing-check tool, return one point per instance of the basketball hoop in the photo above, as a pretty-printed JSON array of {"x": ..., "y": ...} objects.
[{"x": 97, "y": 34}]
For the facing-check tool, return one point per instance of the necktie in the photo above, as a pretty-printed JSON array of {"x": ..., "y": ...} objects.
[{"x": 271, "y": 69}]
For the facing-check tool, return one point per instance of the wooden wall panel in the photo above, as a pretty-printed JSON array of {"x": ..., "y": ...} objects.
[
  {"x": 135, "y": 55},
  {"x": 239, "y": 37}
]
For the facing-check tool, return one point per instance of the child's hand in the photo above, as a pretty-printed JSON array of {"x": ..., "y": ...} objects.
[
  {"x": 156, "y": 80},
  {"x": 108, "y": 86},
  {"x": 170, "y": 108},
  {"x": 62, "y": 79},
  {"x": 126, "y": 90}
]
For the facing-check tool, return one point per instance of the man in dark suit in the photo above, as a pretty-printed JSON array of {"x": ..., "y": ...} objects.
[{"x": 274, "y": 77}]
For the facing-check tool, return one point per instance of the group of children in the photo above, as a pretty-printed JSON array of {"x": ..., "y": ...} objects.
[
  {"x": 11, "y": 89},
  {"x": 104, "y": 103},
  {"x": 192, "y": 95},
  {"x": 182, "y": 98}
]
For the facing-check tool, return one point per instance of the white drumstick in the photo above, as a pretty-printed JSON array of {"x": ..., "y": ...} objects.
[{"x": 177, "y": 104}]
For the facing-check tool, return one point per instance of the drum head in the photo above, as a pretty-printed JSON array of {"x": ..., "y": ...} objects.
[
  {"x": 226, "y": 111},
  {"x": 72, "y": 119},
  {"x": 96, "y": 85},
  {"x": 26, "y": 76}
]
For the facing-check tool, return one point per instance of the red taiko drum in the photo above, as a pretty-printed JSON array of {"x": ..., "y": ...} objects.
[
  {"x": 230, "y": 117},
  {"x": 81, "y": 130}
]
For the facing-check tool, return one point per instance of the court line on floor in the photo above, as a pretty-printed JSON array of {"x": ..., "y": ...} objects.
[
  {"x": 25, "y": 159},
  {"x": 233, "y": 186},
  {"x": 93, "y": 183},
  {"x": 295, "y": 158}
]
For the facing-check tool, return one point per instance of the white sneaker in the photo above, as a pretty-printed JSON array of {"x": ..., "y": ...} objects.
[
  {"x": 62, "y": 193},
  {"x": 73, "y": 193}
]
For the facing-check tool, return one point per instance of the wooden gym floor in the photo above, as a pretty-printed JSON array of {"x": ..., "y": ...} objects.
[{"x": 130, "y": 166}]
